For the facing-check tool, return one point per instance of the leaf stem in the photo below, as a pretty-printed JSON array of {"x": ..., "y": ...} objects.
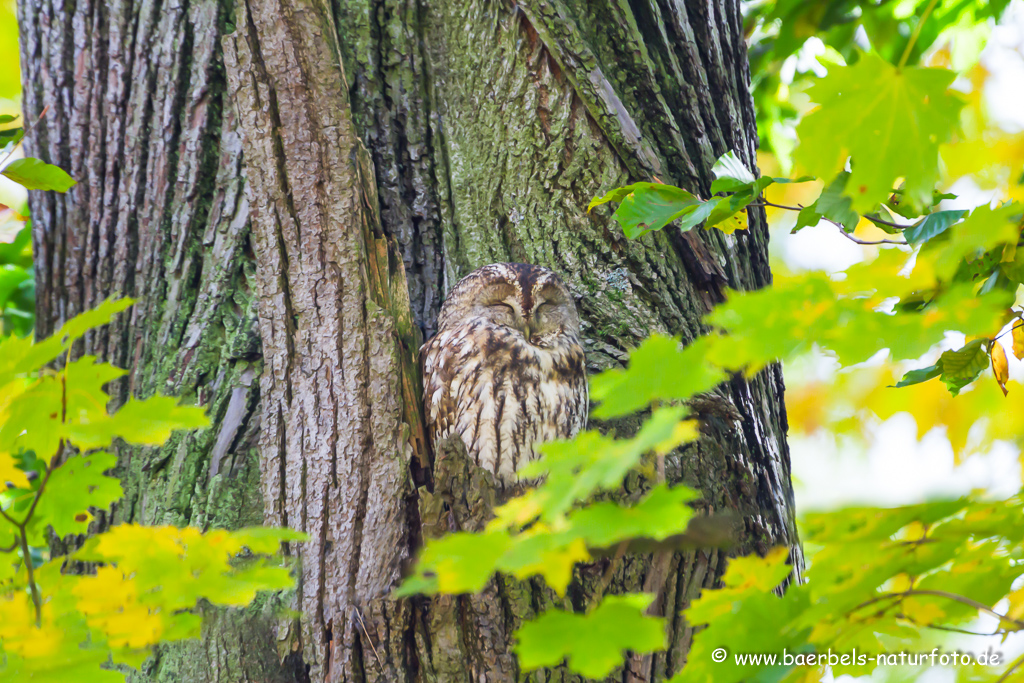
[
  {"x": 26, "y": 557},
  {"x": 22, "y": 533},
  {"x": 917, "y": 31}
]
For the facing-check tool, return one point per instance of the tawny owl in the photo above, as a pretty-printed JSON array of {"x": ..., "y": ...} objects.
[{"x": 506, "y": 370}]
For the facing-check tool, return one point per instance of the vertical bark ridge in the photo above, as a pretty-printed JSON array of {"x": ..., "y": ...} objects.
[
  {"x": 344, "y": 422},
  {"x": 137, "y": 115}
]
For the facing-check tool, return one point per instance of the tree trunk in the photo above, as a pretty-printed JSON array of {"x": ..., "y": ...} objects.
[{"x": 289, "y": 187}]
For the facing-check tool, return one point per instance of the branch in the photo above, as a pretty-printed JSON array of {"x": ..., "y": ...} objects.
[
  {"x": 856, "y": 240},
  {"x": 26, "y": 557},
  {"x": 875, "y": 219},
  {"x": 950, "y": 629},
  {"x": 941, "y": 594},
  {"x": 1020, "y": 324}
]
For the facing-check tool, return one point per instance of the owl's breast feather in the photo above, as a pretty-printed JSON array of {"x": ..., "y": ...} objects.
[{"x": 502, "y": 394}]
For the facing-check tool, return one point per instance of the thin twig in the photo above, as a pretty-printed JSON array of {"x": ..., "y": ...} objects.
[
  {"x": 765, "y": 202},
  {"x": 24, "y": 132},
  {"x": 950, "y": 629},
  {"x": 970, "y": 603},
  {"x": 856, "y": 240},
  {"x": 1014, "y": 667},
  {"x": 941, "y": 594},
  {"x": 36, "y": 598},
  {"x": 366, "y": 635},
  {"x": 3, "y": 513},
  {"x": 1020, "y": 324}
]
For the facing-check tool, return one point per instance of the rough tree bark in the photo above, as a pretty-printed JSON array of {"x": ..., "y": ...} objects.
[{"x": 289, "y": 187}]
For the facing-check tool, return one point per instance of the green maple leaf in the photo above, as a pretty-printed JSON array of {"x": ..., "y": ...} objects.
[
  {"x": 149, "y": 421},
  {"x": 662, "y": 513},
  {"x": 72, "y": 488},
  {"x": 831, "y": 204},
  {"x": 593, "y": 643},
  {"x": 593, "y": 461},
  {"x": 462, "y": 562},
  {"x": 19, "y": 356},
  {"x": 658, "y": 369},
  {"x": 890, "y": 121}
]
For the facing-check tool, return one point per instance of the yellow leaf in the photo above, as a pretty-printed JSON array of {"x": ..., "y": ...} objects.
[
  {"x": 733, "y": 223},
  {"x": 923, "y": 611},
  {"x": 517, "y": 511},
  {"x": 19, "y": 633},
  {"x": 999, "y": 365},
  {"x": 900, "y": 583},
  {"x": 10, "y": 473},
  {"x": 557, "y": 564},
  {"x": 1018, "y": 340},
  {"x": 752, "y": 571},
  {"x": 684, "y": 432},
  {"x": 110, "y": 602},
  {"x": 1016, "y": 609}
]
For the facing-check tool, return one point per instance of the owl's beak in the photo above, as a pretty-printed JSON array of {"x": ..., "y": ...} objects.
[{"x": 527, "y": 330}]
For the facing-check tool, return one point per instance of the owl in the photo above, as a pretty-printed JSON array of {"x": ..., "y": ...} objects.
[{"x": 505, "y": 370}]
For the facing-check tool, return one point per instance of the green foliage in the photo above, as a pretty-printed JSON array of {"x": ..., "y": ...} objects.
[
  {"x": 57, "y": 626},
  {"x": 591, "y": 642},
  {"x": 892, "y": 120},
  {"x": 557, "y": 524},
  {"x": 831, "y": 205},
  {"x": 17, "y": 282},
  {"x": 646, "y": 207},
  {"x": 38, "y": 175},
  {"x": 779, "y": 31},
  {"x": 876, "y": 578}
]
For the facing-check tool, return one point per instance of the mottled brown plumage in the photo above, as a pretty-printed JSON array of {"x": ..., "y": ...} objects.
[{"x": 505, "y": 369}]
